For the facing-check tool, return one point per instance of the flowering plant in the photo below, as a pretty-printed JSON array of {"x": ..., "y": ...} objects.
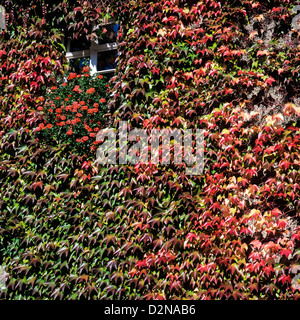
[{"x": 74, "y": 111}]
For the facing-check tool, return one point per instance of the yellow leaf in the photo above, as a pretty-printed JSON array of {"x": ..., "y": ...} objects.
[
  {"x": 253, "y": 34},
  {"x": 232, "y": 210},
  {"x": 259, "y": 17},
  {"x": 161, "y": 32}
]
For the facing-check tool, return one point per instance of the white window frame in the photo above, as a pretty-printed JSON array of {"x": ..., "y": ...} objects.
[{"x": 92, "y": 53}]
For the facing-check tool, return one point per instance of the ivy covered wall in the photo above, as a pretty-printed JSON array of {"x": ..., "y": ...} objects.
[{"x": 72, "y": 229}]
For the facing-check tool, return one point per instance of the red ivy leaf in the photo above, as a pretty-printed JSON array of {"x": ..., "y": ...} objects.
[
  {"x": 256, "y": 244},
  {"x": 286, "y": 252},
  {"x": 270, "y": 80},
  {"x": 262, "y": 53},
  {"x": 283, "y": 278}
]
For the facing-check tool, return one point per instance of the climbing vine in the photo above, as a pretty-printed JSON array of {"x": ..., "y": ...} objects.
[{"x": 70, "y": 228}]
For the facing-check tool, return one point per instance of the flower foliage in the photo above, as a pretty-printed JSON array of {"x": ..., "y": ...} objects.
[
  {"x": 70, "y": 229},
  {"x": 74, "y": 111}
]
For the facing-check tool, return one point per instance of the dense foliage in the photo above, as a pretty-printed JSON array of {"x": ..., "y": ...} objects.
[{"x": 71, "y": 229}]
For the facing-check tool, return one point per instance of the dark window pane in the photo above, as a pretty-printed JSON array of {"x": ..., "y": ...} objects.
[
  {"x": 107, "y": 60},
  {"x": 79, "y": 45},
  {"x": 108, "y": 33}
]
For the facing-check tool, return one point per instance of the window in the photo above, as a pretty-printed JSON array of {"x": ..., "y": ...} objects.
[{"x": 100, "y": 55}]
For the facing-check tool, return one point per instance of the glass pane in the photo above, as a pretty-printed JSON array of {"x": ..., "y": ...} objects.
[
  {"x": 77, "y": 64},
  {"x": 79, "y": 45},
  {"x": 107, "y": 60},
  {"x": 108, "y": 33}
]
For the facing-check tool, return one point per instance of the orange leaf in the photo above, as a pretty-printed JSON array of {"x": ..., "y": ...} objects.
[{"x": 262, "y": 53}]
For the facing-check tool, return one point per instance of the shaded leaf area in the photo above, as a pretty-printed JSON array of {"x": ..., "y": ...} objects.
[
  {"x": 70, "y": 229},
  {"x": 54, "y": 239}
]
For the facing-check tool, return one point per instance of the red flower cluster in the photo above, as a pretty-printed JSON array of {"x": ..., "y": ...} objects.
[
  {"x": 72, "y": 76},
  {"x": 76, "y": 108},
  {"x": 91, "y": 90},
  {"x": 77, "y": 89}
]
